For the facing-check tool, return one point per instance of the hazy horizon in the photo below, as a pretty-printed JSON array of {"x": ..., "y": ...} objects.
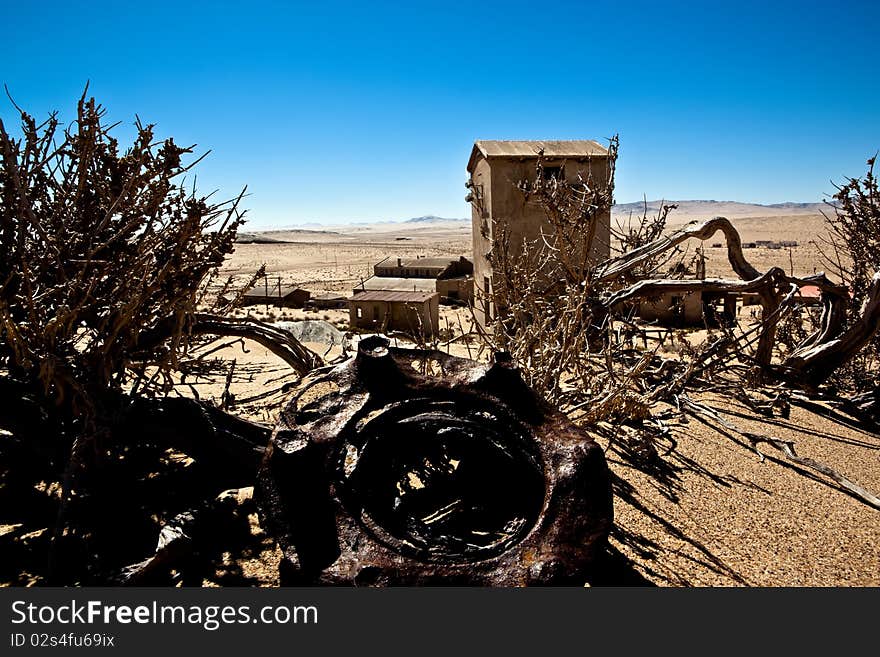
[{"x": 248, "y": 227}]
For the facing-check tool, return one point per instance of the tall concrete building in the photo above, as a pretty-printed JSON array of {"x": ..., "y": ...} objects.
[{"x": 495, "y": 167}]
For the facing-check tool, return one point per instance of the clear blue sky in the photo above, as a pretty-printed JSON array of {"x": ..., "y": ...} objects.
[{"x": 334, "y": 111}]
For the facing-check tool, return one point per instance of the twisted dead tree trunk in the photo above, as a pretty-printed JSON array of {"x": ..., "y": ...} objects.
[
  {"x": 280, "y": 342},
  {"x": 614, "y": 268},
  {"x": 815, "y": 361},
  {"x": 812, "y": 362}
]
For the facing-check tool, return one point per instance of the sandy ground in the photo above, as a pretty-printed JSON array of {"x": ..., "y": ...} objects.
[
  {"x": 709, "y": 511},
  {"x": 713, "y": 514}
]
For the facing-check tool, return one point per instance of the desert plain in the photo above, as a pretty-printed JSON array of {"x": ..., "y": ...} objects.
[{"x": 711, "y": 510}]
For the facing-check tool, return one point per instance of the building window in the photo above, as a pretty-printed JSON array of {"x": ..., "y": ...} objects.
[
  {"x": 554, "y": 172},
  {"x": 360, "y": 312}
]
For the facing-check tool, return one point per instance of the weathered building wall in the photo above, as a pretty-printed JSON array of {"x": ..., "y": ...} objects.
[
  {"x": 406, "y": 316},
  {"x": 673, "y": 309},
  {"x": 461, "y": 288},
  {"x": 504, "y": 206},
  {"x": 481, "y": 227}
]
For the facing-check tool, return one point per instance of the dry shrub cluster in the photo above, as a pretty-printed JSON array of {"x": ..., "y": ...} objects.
[
  {"x": 100, "y": 246},
  {"x": 108, "y": 282},
  {"x": 852, "y": 253}
]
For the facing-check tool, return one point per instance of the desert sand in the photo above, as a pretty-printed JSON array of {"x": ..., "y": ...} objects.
[{"x": 711, "y": 511}]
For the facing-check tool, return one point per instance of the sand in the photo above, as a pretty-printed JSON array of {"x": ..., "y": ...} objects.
[{"x": 709, "y": 512}]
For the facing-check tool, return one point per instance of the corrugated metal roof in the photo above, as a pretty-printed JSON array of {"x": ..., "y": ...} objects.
[
  {"x": 527, "y": 149},
  {"x": 397, "y": 283},
  {"x": 389, "y": 295}
]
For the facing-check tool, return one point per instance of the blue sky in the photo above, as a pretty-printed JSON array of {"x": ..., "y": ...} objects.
[{"x": 367, "y": 111}]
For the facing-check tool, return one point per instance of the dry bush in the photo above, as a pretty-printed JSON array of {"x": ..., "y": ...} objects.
[
  {"x": 101, "y": 245},
  {"x": 542, "y": 290},
  {"x": 108, "y": 283},
  {"x": 639, "y": 230},
  {"x": 852, "y": 253}
]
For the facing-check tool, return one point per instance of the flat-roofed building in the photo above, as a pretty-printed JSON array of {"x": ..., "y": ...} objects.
[
  {"x": 396, "y": 284},
  {"x": 440, "y": 267},
  {"x": 451, "y": 277},
  {"x": 415, "y": 313},
  {"x": 274, "y": 293}
]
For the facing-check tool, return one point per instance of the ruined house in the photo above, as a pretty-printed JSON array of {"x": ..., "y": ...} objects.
[
  {"x": 274, "y": 293},
  {"x": 670, "y": 309},
  {"x": 495, "y": 167},
  {"x": 415, "y": 313},
  {"x": 424, "y": 267},
  {"x": 451, "y": 278},
  {"x": 691, "y": 308}
]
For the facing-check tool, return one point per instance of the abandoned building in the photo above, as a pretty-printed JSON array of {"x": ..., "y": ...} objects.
[
  {"x": 672, "y": 309},
  {"x": 690, "y": 309},
  {"x": 274, "y": 293},
  {"x": 443, "y": 267},
  {"x": 451, "y": 278},
  {"x": 495, "y": 167},
  {"x": 415, "y": 313},
  {"x": 328, "y": 301},
  {"x": 395, "y": 284}
]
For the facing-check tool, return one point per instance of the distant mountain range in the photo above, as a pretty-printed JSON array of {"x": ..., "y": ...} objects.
[
  {"x": 724, "y": 208},
  {"x": 430, "y": 219},
  {"x": 686, "y": 211},
  {"x": 728, "y": 209}
]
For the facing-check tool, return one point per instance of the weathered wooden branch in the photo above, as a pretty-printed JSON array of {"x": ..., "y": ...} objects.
[
  {"x": 186, "y": 535},
  {"x": 201, "y": 431},
  {"x": 655, "y": 287},
  {"x": 815, "y": 362},
  {"x": 279, "y": 342},
  {"x": 615, "y": 267}
]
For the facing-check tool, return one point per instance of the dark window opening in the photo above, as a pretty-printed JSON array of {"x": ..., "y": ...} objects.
[{"x": 554, "y": 172}]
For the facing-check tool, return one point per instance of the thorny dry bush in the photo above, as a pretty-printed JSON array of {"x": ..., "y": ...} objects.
[
  {"x": 101, "y": 246},
  {"x": 850, "y": 252},
  {"x": 567, "y": 315},
  {"x": 107, "y": 262}
]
